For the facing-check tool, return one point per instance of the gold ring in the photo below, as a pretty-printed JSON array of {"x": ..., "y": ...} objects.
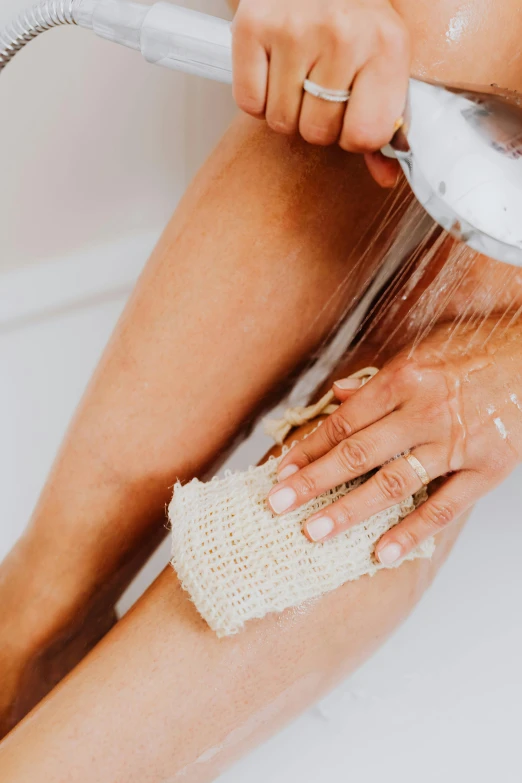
[{"x": 418, "y": 468}]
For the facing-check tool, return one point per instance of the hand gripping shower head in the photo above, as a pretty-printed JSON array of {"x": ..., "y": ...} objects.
[{"x": 460, "y": 150}]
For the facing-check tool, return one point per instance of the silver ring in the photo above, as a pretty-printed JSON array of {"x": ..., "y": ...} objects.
[
  {"x": 335, "y": 96},
  {"x": 419, "y": 468}
]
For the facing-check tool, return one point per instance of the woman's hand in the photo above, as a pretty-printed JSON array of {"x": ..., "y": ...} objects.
[
  {"x": 361, "y": 45},
  {"x": 456, "y": 405}
]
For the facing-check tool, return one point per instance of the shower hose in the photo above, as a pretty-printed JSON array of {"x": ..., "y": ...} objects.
[
  {"x": 165, "y": 34},
  {"x": 31, "y": 23}
]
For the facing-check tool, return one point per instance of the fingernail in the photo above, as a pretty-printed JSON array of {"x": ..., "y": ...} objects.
[
  {"x": 348, "y": 383},
  {"x": 282, "y": 500},
  {"x": 319, "y": 528},
  {"x": 389, "y": 554},
  {"x": 286, "y": 472}
]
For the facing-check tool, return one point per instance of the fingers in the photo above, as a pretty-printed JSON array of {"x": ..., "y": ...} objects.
[
  {"x": 364, "y": 47},
  {"x": 448, "y": 503},
  {"x": 378, "y": 95},
  {"x": 386, "y": 172},
  {"x": 250, "y": 67},
  {"x": 321, "y": 121},
  {"x": 371, "y": 118},
  {"x": 287, "y": 73},
  {"x": 351, "y": 458},
  {"x": 369, "y": 404},
  {"x": 392, "y": 484}
]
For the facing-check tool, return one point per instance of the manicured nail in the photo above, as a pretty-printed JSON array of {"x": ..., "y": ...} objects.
[
  {"x": 286, "y": 472},
  {"x": 349, "y": 383},
  {"x": 389, "y": 554},
  {"x": 282, "y": 500},
  {"x": 319, "y": 528}
]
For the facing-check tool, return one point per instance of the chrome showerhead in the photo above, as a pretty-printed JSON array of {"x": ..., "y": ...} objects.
[{"x": 461, "y": 152}]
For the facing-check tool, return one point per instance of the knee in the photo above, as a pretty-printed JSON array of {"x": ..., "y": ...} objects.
[{"x": 452, "y": 47}]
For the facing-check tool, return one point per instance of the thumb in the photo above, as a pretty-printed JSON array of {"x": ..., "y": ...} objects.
[
  {"x": 385, "y": 172},
  {"x": 346, "y": 387}
]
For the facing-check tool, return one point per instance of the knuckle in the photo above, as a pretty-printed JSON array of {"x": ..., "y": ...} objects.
[
  {"x": 431, "y": 409},
  {"x": 343, "y": 514},
  {"x": 336, "y": 429},
  {"x": 291, "y": 29},
  {"x": 302, "y": 454},
  {"x": 409, "y": 539},
  {"x": 348, "y": 23},
  {"x": 386, "y": 396},
  {"x": 334, "y": 27},
  {"x": 305, "y": 485},
  {"x": 437, "y": 514},
  {"x": 363, "y": 136},
  {"x": 407, "y": 374},
  {"x": 248, "y": 21},
  {"x": 392, "y": 484},
  {"x": 317, "y": 134},
  {"x": 345, "y": 32},
  {"x": 394, "y": 36},
  {"x": 383, "y": 134},
  {"x": 248, "y": 101},
  {"x": 353, "y": 455},
  {"x": 281, "y": 124},
  {"x": 434, "y": 413}
]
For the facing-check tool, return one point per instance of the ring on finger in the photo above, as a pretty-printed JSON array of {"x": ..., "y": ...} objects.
[
  {"x": 324, "y": 93},
  {"x": 419, "y": 468}
]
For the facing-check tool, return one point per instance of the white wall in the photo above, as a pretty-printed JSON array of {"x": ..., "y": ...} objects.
[{"x": 94, "y": 143}]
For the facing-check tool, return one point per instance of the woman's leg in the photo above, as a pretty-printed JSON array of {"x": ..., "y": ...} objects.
[
  {"x": 201, "y": 701},
  {"x": 215, "y": 322},
  {"x": 162, "y": 699},
  {"x": 129, "y": 440}
]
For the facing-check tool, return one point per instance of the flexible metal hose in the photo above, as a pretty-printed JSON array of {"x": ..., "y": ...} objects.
[{"x": 30, "y": 23}]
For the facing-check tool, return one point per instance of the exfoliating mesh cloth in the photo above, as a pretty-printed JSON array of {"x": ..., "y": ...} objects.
[{"x": 238, "y": 561}]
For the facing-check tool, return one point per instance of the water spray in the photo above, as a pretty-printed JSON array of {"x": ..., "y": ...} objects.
[{"x": 460, "y": 150}]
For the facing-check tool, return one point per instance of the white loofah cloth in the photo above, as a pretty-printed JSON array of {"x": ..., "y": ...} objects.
[{"x": 238, "y": 561}]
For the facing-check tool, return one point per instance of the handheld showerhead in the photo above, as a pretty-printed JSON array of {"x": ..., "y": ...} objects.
[{"x": 461, "y": 151}]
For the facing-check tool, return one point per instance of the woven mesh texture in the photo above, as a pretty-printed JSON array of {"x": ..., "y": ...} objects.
[{"x": 238, "y": 562}]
